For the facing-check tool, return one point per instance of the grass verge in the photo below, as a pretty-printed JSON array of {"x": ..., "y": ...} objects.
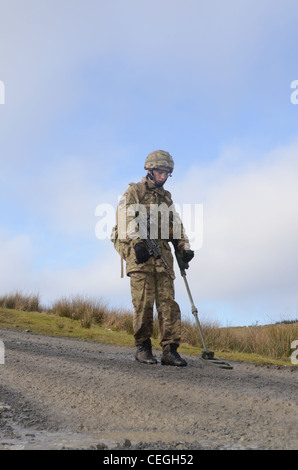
[{"x": 116, "y": 329}]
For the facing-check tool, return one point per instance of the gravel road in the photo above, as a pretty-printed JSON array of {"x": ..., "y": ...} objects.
[{"x": 58, "y": 393}]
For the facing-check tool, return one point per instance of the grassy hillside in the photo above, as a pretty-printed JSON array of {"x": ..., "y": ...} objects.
[{"x": 91, "y": 319}]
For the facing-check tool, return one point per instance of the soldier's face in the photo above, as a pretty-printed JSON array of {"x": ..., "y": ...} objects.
[{"x": 161, "y": 174}]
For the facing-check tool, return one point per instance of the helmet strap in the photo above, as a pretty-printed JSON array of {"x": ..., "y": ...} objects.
[{"x": 150, "y": 175}]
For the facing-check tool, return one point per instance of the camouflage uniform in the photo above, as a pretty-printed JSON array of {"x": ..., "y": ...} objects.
[
  {"x": 152, "y": 281},
  {"x": 145, "y": 289}
]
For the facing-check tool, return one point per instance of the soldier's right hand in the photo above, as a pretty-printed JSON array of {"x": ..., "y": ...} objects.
[
  {"x": 187, "y": 255},
  {"x": 142, "y": 253}
]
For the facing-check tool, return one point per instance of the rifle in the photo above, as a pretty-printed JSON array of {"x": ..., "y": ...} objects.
[{"x": 151, "y": 244}]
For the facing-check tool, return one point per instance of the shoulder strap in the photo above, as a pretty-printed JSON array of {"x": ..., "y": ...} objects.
[
  {"x": 168, "y": 197},
  {"x": 139, "y": 189}
]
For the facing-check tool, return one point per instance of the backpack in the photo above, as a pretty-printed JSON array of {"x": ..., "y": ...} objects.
[{"x": 139, "y": 189}]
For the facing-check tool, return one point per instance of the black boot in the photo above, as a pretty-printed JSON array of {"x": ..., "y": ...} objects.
[
  {"x": 170, "y": 356},
  {"x": 144, "y": 353}
]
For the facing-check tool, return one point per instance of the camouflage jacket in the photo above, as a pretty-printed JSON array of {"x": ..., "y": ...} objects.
[{"x": 148, "y": 195}]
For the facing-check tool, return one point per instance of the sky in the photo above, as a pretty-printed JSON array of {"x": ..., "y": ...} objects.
[{"x": 89, "y": 88}]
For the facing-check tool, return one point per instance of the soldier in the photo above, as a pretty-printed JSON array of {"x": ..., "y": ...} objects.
[{"x": 151, "y": 279}]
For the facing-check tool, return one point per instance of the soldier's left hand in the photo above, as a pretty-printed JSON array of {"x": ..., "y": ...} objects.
[{"x": 187, "y": 255}]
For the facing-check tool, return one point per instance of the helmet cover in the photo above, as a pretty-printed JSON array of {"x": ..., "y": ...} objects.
[{"x": 159, "y": 158}]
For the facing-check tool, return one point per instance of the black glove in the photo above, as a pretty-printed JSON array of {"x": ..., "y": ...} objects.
[
  {"x": 184, "y": 258},
  {"x": 187, "y": 256},
  {"x": 142, "y": 253}
]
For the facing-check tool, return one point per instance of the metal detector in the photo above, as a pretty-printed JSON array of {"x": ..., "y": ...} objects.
[{"x": 206, "y": 356}]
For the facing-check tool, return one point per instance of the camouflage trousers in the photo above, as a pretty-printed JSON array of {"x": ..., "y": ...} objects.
[{"x": 147, "y": 288}]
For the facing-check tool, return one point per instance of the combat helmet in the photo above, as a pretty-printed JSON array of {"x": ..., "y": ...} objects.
[{"x": 159, "y": 158}]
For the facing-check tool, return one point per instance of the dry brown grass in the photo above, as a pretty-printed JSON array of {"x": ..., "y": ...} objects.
[
  {"x": 272, "y": 341},
  {"x": 20, "y": 301},
  {"x": 85, "y": 309}
]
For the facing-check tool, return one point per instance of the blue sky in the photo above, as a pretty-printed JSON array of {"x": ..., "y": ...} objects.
[{"x": 92, "y": 87}]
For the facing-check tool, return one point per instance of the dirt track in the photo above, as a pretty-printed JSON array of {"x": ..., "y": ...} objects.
[{"x": 63, "y": 393}]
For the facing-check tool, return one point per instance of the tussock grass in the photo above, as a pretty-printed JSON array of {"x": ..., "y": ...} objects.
[
  {"x": 268, "y": 341},
  {"x": 20, "y": 301},
  {"x": 81, "y": 308},
  {"x": 272, "y": 341}
]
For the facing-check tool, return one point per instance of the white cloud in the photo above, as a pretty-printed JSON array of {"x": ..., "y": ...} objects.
[
  {"x": 16, "y": 254},
  {"x": 22, "y": 270},
  {"x": 99, "y": 279},
  {"x": 249, "y": 254}
]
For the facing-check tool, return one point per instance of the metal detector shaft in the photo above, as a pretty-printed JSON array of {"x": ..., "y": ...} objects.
[
  {"x": 206, "y": 356},
  {"x": 194, "y": 309}
]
